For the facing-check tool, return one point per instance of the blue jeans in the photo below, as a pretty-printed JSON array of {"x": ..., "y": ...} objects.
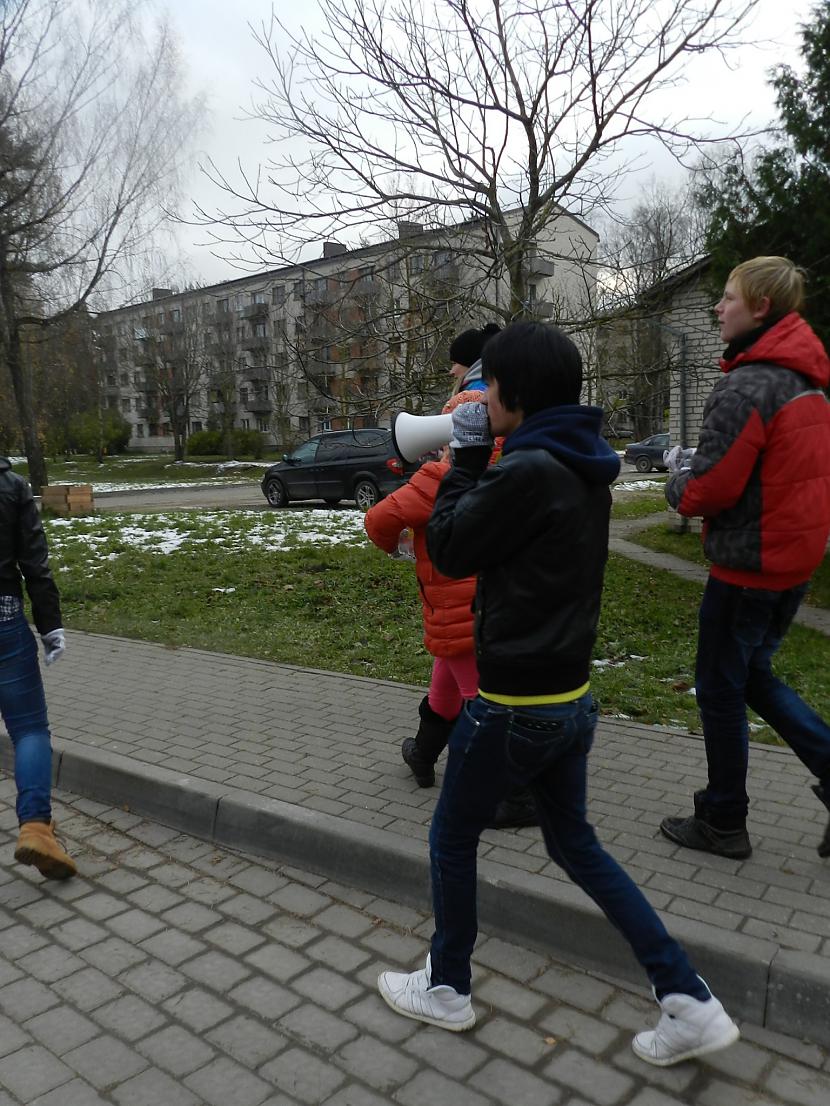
[
  {"x": 740, "y": 632},
  {"x": 23, "y": 708},
  {"x": 494, "y": 749}
]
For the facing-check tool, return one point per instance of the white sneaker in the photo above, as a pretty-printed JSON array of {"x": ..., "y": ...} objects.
[
  {"x": 413, "y": 996},
  {"x": 688, "y": 1027}
]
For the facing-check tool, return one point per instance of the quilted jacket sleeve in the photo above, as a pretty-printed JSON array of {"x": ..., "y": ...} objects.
[
  {"x": 33, "y": 559},
  {"x": 409, "y": 506},
  {"x": 732, "y": 437}
]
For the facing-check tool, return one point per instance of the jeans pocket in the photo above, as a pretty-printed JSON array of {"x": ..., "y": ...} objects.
[{"x": 532, "y": 743}]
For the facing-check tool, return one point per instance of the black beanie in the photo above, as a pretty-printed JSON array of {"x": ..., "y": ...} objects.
[{"x": 466, "y": 348}]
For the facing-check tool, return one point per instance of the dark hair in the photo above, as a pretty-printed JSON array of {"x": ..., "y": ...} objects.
[{"x": 535, "y": 365}]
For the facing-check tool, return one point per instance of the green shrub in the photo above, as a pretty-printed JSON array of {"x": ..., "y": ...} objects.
[
  {"x": 211, "y": 443},
  {"x": 108, "y": 433}
]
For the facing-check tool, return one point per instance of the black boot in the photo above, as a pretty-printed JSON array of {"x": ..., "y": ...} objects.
[
  {"x": 423, "y": 750},
  {"x": 710, "y": 830},
  {"x": 824, "y": 794},
  {"x": 515, "y": 810}
]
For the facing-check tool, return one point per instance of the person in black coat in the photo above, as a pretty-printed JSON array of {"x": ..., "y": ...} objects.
[{"x": 24, "y": 558}]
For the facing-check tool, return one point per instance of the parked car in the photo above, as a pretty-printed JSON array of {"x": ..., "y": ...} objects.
[
  {"x": 339, "y": 464},
  {"x": 648, "y": 454}
]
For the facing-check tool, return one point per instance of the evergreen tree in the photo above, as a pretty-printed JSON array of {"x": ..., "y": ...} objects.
[{"x": 779, "y": 205}]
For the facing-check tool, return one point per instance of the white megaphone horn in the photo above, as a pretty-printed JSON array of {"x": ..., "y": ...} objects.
[{"x": 414, "y": 435}]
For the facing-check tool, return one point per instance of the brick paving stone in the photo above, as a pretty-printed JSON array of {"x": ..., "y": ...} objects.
[
  {"x": 77, "y": 934},
  {"x": 380, "y": 1065},
  {"x": 432, "y": 1087},
  {"x": 508, "y": 1082},
  {"x": 580, "y": 1072},
  {"x": 591, "y": 1034},
  {"x": 12, "y": 1037},
  {"x": 176, "y": 1049},
  {"x": 355, "y": 1095},
  {"x": 153, "y": 1088},
  {"x": 372, "y": 1015},
  {"x": 326, "y": 988},
  {"x": 798, "y": 1084},
  {"x": 334, "y": 952},
  {"x": 154, "y": 980},
  {"x": 26, "y": 997},
  {"x": 105, "y": 1061},
  {"x": 130, "y": 1017},
  {"x": 76, "y": 1093},
  {"x": 303, "y": 1076},
  {"x": 50, "y": 964},
  {"x": 215, "y": 970},
  {"x": 247, "y": 1040},
  {"x": 574, "y": 987},
  {"x": 32, "y": 1071},
  {"x": 263, "y": 997},
  {"x": 60, "y": 1029},
  {"x": 275, "y": 960},
  {"x": 223, "y": 1082},
  {"x": 88, "y": 989},
  {"x": 517, "y": 1041},
  {"x": 197, "y": 1009},
  {"x": 172, "y": 946},
  {"x": 314, "y": 1026},
  {"x": 453, "y": 1054},
  {"x": 233, "y": 938},
  {"x": 717, "y": 1093}
]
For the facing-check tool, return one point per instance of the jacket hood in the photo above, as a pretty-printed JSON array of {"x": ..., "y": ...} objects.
[
  {"x": 572, "y": 434},
  {"x": 5, "y": 464},
  {"x": 790, "y": 343}
]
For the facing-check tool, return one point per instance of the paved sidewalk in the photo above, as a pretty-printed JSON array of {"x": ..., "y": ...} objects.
[
  {"x": 174, "y": 973},
  {"x": 305, "y": 766}
]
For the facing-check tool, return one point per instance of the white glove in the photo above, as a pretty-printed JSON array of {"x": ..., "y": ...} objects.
[
  {"x": 470, "y": 426},
  {"x": 54, "y": 646},
  {"x": 678, "y": 459}
]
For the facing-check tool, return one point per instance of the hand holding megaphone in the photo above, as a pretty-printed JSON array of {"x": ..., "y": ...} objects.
[{"x": 470, "y": 426}]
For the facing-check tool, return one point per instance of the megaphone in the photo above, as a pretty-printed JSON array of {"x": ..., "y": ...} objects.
[{"x": 414, "y": 435}]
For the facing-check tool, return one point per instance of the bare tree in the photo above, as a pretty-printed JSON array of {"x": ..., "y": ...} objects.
[
  {"x": 480, "y": 120},
  {"x": 93, "y": 129},
  {"x": 175, "y": 367}
]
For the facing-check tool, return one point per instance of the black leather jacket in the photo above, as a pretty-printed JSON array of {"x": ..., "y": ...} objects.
[
  {"x": 536, "y": 534},
  {"x": 23, "y": 550}
]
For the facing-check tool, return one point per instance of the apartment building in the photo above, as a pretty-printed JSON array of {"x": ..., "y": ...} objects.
[{"x": 341, "y": 340}]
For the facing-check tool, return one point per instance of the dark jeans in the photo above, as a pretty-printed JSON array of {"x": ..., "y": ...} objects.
[
  {"x": 740, "y": 631},
  {"x": 495, "y": 749},
  {"x": 23, "y": 708}
]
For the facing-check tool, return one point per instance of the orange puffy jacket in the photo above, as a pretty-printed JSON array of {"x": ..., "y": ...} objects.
[{"x": 447, "y": 603}]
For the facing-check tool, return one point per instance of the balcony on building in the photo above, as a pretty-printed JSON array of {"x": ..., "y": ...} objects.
[
  {"x": 259, "y": 405},
  {"x": 257, "y": 373},
  {"x": 539, "y": 266},
  {"x": 255, "y": 311},
  {"x": 255, "y": 342}
]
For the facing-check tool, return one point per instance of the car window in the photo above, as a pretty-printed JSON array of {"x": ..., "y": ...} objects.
[
  {"x": 332, "y": 449},
  {"x": 368, "y": 441},
  {"x": 660, "y": 439},
  {"x": 306, "y": 451}
]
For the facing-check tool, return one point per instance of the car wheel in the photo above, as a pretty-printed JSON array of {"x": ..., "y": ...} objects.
[
  {"x": 642, "y": 464},
  {"x": 366, "y": 494},
  {"x": 275, "y": 493},
  {"x": 331, "y": 502}
]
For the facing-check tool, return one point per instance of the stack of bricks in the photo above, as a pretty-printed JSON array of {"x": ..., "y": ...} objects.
[{"x": 68, "y": 499}]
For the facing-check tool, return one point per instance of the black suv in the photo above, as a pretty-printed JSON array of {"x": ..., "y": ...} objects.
[{"x": 340, "y": 464}]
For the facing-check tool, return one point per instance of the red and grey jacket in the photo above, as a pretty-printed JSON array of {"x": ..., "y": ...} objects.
[{"x": 761, "y": 475}]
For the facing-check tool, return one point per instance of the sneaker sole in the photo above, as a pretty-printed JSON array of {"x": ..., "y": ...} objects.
[
  {"x": 49, "y": 867},
  {"x": 453, "y": 1027},
  {"x": 737, "y": 854},
  {"x": 702, "y": 1050}
]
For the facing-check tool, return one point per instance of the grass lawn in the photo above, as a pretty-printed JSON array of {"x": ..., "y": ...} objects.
[
  {"x": 663, "y": 539},
  {"x": 306, "y": 588},
  {"x": 138, "y": 469}
]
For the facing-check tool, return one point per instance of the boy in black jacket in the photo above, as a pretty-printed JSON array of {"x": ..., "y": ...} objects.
[{"x": 534, "y": 528}]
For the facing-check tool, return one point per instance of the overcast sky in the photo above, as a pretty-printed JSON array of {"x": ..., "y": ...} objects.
[{"x": 222, "y": 60}]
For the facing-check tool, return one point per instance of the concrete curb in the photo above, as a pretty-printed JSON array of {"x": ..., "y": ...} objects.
[{"x": 758, "y": 981}]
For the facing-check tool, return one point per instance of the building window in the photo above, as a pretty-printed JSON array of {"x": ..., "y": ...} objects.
[
  {"x": 166, "y": 429},
  {"x": 262, "y": 424},
  {"x": 139, "y": 430},
  {"x": 246, "y": 424},
  {"x": 175, "y": 315},
  {"x": 195, "y": 427},
  {"x": 154, "y": 429},
  {"x": 243, "y": 395},
  {"x": 112, "y": 402},
  {"x": 303, "y": 424},
  {"x": 223, "y": 307},
  {"x": 125, "y": 404},
  {"x": 278, "y": 295},
  {"x": 297, "y": 288},
  {"x": 258, "y": 297},
  {"x": 112, "y": 381},
  {"x": 240, "y": 301},
  {"x": 125, "y": 379},
  {"x": 260, "y": 330}
]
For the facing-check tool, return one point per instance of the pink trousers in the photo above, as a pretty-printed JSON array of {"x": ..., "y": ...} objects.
[{"x": 454, "y": 679}]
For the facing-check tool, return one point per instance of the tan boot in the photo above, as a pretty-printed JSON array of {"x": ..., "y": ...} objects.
[{"x": 37, "y": 845}]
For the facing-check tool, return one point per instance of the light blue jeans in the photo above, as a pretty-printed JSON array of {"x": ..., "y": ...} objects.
[{"x": 23, "y": 708}]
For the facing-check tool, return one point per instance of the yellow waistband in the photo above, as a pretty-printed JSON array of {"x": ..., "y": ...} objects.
[{"x": 535, "y": 700}]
